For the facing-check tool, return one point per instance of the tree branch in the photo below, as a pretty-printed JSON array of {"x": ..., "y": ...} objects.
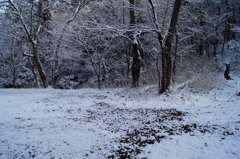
[{"x": 22, "y": 22}]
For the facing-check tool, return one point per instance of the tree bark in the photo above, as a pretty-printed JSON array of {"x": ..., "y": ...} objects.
[
  {"x": 175, "y": 56},
  {"x": 136, "y": 64},
  {"x": 99, "y": 81},
  {"x": 227, "y": 71},
  {"x": 39, "y": 67},
  {"x": 228, "y": 29},
  {"x": 33, "y": 39},
  {"x": 127, "y": 49},
  {"x": 34, "y": 73},
  {"x": 166, "y": 49}
]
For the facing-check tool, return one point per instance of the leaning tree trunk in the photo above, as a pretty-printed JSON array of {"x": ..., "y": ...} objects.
[
  {"x": 166, "y": 49},
  {"x": 39, "y": 67},
  {"x": 34, "y": 73},
  {"x": 33, "y": 38}
]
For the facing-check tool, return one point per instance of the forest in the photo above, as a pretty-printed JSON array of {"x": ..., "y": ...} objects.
[
  {"x": 116, "y": 43},
  {"x": 124, "y": 79}
]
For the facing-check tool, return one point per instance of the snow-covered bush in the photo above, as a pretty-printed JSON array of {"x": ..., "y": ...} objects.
[
  {"x": 205, "y": 82},
  {"x": 25, "y": 79},
  {"x": 200, "y": 74},
  {"x": 149, "y": 76},
  {"x": 5, "y": 83}
]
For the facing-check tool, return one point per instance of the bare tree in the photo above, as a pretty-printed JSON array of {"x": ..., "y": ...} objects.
[
  {"x": 167, "y": 44},
  {"x": 136, "y": 47},
  {"x": 60, "y": 39},
  {"x": 96, "y": 48},
  {"x": 33, "y": 37}
]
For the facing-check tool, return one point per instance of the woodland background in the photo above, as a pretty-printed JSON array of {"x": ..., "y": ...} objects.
[{"x": 118, "y": 43}]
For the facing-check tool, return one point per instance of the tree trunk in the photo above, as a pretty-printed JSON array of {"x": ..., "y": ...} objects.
[
  {"x": 33, "y": 38},
  {"x": 34, "y": 73},
  {"x": 13, "y": 68},
  {"x": 166, "y": 49},
  {"x": 228, "y": 29},
  {"x": 159, "y": 74},
  {"x": 39, "y": 67},
  {"x": 80, "y": 4},
  {"x": 128, "y": 61},
  {"x": 126, "y": 48},
  {"x": 164, "y": 72},
  {"x": 136, "y": 64},
  {"x": 215, "y": 46},
  {"x": 207, "y": 50},
  {"x": 56, "y": 58},
  {"x": 132, "y": 12},
  {"x": 227, "y": 71},
  {"x": 175, "y": 56},
  {"x": 201, "y": 47},
  {"x": 14, "y": 78},
  {"x": 99, "y": 81},
  {"x": 54, "y": 81}
]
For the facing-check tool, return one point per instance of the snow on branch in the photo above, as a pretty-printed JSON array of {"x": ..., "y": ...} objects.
[
  {"x": 153, "y": 9},
  {"x": 236, "y": 29},
  {"x": 22, "y": 21},
  {"x": 78, "y": 10},
  {"x": 23, "y": 52}
]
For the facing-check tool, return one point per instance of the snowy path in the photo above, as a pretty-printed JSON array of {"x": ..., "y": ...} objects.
[{"x": 87, "y": 123}]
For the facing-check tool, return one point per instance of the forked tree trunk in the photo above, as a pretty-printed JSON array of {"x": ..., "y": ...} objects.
[
  {"x": 33, "y": 39},
  {"x": 166, "y": 49}
]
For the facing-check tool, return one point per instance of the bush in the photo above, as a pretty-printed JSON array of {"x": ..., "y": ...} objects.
[
  {"x": 206, "y": 82},
  {"x": 200, "y": 74}
]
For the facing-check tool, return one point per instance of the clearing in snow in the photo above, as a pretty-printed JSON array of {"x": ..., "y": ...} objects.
[{"x": 120, "y": 123}]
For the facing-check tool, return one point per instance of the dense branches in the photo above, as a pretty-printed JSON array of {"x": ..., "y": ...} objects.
[{"x": 66, "y": 44}]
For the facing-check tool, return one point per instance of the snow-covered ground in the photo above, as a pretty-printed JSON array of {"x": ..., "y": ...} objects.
[{"x": 120, "y": 123}]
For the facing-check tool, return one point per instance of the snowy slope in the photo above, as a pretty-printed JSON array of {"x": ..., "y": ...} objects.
[{"x": 114, "y": 123}]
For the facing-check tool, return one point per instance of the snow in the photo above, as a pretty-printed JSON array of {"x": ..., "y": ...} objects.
[
  {"x": 91, "y": 123},
  {"x": 199, "y": 147}
]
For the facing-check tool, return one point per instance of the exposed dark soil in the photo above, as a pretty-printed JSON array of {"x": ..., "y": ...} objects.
[
  {"x": 138, "y": 128},
  {"x": 156, "y": 125}
]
